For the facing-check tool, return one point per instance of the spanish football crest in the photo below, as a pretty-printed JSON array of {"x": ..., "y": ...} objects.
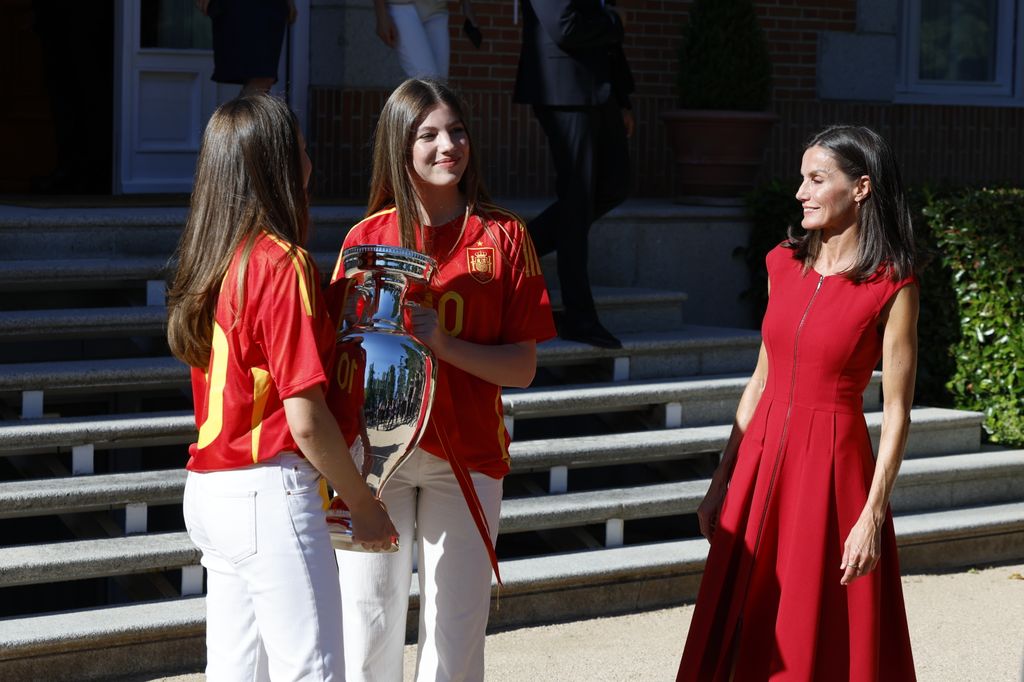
[{"x": 481, "y": 263}]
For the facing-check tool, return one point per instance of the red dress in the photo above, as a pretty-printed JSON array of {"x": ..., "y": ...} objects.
[{"x": 770, "y": 598}]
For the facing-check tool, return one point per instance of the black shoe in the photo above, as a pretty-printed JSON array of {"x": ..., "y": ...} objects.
[{"x": 591, "y": 332}]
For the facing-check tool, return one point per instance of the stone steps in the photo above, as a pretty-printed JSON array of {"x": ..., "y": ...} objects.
[
  {"x": 120, "y": 273},
  {"x": 97, "y": 644},
  {"x": 925, "y": 484},
  {"x": 595, "y": 582},
  {"x": 629, "y": 309},
  {"x": 115, "y": 233},
  {"x": 989, "y": 476},
  {"x": 82, "y": 559},
  {"x": 690, "y": 401},
  {"x": 92, "y": 273},
  {"x": 76, "y": 323},
  {"x": 684, "y": 351},
  {"x": 76, "y": 376},
  {"x": 624, "y": 309},
  {"x": 74, "y": 494},
  {"x": 933, "y": 431},
  {"x": 77, "y": 560},
  {"x": 553, "y": 587}
]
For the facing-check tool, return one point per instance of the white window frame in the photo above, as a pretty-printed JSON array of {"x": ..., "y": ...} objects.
[{"x": 1008, "y": 86}]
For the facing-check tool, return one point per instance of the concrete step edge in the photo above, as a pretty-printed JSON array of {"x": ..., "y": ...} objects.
[
  {"x": 619, "y": 297},
  {"x": 92, "y": 558},
  {"x": 98, "y": 374},
  {"x": 568, "y": 399},
  {"x": 39, "y": 635},
  {"x": 927, "y": 527},
  {"x": 44, "y": 634},
  {"x": 104, "y": 491},
  {"x": 92, "y": 492},
  {"x": 82, "y": 559},
  {"x": 658, "y": 444},
  {"x": 957, "y": 467},
  {"x": 335, "y": 216},
  {"x": 541, "y": 453},
  {"x": 100, "y": 431}
]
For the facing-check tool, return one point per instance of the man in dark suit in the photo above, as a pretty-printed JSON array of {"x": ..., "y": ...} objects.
[{"x": 573, "y": 72}]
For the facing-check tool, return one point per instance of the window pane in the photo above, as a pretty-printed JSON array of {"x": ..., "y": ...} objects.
[
  {"x": 958, "y": 40},
  {"x": 174, "y": 24}
]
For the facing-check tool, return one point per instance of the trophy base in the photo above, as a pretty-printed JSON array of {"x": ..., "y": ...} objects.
[
  {"x": 339, "y": 524},
  {"x": 345, "y": 542}
]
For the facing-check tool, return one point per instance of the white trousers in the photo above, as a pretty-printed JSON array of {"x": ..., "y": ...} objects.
[
  {"x": 273, "y": 609},
  {"x": 422, "y": 45},
  {"x": 426, "y": 505}
]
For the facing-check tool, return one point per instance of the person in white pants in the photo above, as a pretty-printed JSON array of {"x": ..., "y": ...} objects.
[
  {"x": 426, "y": 503},
  {"x": 272, "y": 582},
  {"x": 483, "y": 312},
  {"x": 418, "y": 31},
  {"x": 244, "y": 311}
]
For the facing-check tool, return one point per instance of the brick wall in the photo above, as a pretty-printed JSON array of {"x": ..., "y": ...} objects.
[
  {"x": 934, "y": 144},
  {"x": 510, "y": 145},
  {"x": 514, "y": 153},
  {"x": 791, "y": 31}
]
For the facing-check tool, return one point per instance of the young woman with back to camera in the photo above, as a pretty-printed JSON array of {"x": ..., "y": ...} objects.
[
  {"x": 245, "y": 312},
  {"x": 484, "y": 312},
  {"x": 802, "y": 580}
]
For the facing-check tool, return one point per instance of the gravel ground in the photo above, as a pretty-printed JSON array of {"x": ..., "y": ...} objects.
[{"x": 965, "y": 627}]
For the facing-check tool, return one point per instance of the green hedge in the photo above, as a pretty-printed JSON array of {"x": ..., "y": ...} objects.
[
  {"x": 971, "y": 331},
  {"x": 980, "y": 238}
]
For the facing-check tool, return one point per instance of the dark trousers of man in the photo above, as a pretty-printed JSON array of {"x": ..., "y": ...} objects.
[{"x": 591, "y": 157}]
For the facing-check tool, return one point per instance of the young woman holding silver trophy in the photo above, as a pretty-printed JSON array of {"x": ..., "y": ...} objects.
[
  {"x": 481, "y": 314},
  {"x": 245, "y": 312}
]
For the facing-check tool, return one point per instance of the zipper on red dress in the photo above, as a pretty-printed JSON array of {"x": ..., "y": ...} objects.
[
  {"x": 789, "y": 412},
  {"x": 778, "y": 457}
]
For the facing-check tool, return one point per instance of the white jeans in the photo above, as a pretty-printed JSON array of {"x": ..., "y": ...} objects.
[
  {"x": 426, "y": 505},
  {"x": 422, "y": 45},
  {"x": 273, "y": 609}
]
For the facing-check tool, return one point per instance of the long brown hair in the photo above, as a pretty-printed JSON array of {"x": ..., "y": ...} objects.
[
  {"x": 885, "y": 229},
  {"x": 248, "y": 180},
  {"x": 391, "y": 183}
]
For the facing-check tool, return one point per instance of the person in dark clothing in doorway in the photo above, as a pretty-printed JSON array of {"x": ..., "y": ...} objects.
[{"x": 572, "y": 71}]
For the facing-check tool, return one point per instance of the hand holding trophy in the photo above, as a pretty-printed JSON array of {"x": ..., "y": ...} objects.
[{"x": 383, "y": 384}]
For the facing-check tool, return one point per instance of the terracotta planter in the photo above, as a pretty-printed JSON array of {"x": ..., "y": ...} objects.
[{"x": 717, "y": 152}]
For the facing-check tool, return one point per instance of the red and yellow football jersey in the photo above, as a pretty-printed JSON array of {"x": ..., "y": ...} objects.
[
  {"x": 488, "y": 289},
  {"x": 279, "y": 343}
]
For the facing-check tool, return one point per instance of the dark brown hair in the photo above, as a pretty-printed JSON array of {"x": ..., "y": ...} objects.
[
  {"x": 886, "y": 235},
  {"x": 248, "y": 180},
  {"x": 391, "y": 183}
]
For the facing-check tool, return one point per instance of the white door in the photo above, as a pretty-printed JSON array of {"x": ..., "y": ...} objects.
[{"x": 163, "y": 94}]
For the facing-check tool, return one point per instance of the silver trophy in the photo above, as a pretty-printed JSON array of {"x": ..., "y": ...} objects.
[{"x": 384, "y": 376}]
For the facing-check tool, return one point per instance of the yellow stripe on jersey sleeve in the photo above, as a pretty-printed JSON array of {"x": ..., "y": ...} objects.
[
  {"x": 531, "y": 262},
  {"x": 530, "y": 258},
  {"x": 260, "y": 393},
  {"x": 338, "y": 273},
  {"x": 304, "y": 270},
  {"x": 339, "y": 266},
  {"x": 216, "y": 378},
  {"x": 383, "y": 211}
]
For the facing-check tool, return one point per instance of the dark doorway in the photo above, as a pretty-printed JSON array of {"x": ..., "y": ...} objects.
[{"x": 56, "y": 123}]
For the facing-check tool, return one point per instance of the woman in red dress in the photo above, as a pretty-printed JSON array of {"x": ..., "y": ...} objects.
[{"x": 802, "y": 580}]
